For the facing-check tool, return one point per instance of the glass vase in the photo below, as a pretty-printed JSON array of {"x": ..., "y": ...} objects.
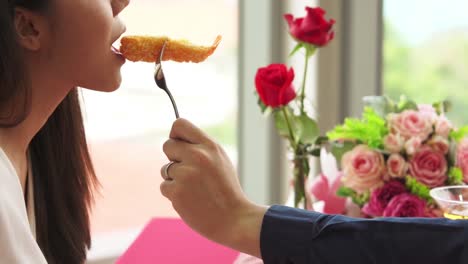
[{"x": 300, "y": 173}]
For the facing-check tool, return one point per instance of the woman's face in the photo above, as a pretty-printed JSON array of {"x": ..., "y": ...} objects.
[{"x": 79, "y": 43}]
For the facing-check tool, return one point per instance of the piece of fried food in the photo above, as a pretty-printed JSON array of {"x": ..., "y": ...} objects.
[{"x": 146, "y": 48}]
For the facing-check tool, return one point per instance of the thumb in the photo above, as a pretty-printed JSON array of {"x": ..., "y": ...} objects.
[{"x": 182, "y": 129}]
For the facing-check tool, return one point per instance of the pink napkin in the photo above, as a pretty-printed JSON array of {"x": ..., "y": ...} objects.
[{"x": 172, "y": 241}]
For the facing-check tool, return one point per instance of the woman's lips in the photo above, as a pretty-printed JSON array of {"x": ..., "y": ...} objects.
[
  {"x": 118, "y": 53},
  {"x": 115, "y": 50}
]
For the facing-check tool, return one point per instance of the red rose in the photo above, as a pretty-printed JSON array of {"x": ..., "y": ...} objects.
[
  {"x": 405, "y": 205},
  {"x": 274, "y": 85},
  {"x": 381, "y": 197},
  {"x": 313, "y": 28},
  {"x": 429, "y": 167}
]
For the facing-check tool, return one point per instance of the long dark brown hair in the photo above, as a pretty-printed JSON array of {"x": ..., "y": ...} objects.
[{"x": 64, "y": 178}]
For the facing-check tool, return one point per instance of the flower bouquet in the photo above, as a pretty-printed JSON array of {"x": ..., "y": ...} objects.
[{"x": 392, "y": 156}]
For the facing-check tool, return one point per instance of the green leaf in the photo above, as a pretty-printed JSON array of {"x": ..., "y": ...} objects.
[
  {"x": 382, "y": 105},
  {"x": 406, "y": 104},
  {"x": 315, "y": 152},
  {"x": 455, "y": 176},
  {"x": 263, "y": 107},
  {"x": 345, "y": 192},
  {"x": 361, "y": 199},
  {"x": 321, "y": 140},
  {"x": 338, "y": 149},
  {"x": 358, "y": 198},
  {"x": 442, "y": 107},
  {"x": 296, "y": 49},
  {"x": 307, "y": 129},
  {"x": 459, "y": 134},
  {"x": 370, "y": 130},
  {"x": 417, "y": 188},
  {"x": 310, "y": 49},
  {"x": 281, "y": 124},
  {"x": 452, "y": 153}
]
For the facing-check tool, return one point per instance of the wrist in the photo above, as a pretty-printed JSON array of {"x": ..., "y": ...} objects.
[{"x": 245, "y": 232}]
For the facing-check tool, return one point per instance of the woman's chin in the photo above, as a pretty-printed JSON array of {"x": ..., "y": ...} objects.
[
  {"x": 109, "y": 89},
  {"x": 113, "y": 87},
  {"x": 107, "y": 85}
]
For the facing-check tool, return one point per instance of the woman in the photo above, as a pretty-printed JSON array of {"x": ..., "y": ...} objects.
[
  {"x": 202, "y": 185},
  {"x": 47, "y": 49}
]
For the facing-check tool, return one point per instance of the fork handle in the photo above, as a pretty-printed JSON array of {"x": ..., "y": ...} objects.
[{"x": 176, "y": 111}]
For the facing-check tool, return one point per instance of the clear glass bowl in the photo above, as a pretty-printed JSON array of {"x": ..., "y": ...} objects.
[{"x": 453, "y": 200}]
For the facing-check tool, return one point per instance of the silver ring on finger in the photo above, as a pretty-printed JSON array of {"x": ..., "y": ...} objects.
[{"x": 166, "y": 171}]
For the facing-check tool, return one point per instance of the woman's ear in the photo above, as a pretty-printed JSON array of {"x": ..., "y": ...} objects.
[{"x": 29, "y": 29}]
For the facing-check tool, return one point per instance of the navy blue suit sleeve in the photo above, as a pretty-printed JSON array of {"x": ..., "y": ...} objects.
[{"x": 296, "y": 236}]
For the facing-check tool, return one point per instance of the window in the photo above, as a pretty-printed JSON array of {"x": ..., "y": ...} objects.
[
  {"x": 426, "y": 52},
  {"x": 126, "y": 129}
]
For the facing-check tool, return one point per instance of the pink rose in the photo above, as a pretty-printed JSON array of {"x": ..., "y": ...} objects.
[
  {"x": 381, "y": 197},
  {"x": 462, "y": 158},
  {"x": 363, "y": 168},
  {"x": 412, "y": 145},
  {"x": 393, "y": 143},
  {"x": 397, "y": 166},
  {"x": 428, "y": 111},
  {"x": 443, "y": 126},
  {"x": 429, "y": 167},
  {"x": 439, "y": 144},
  {"x": 410, "y": 124},
  {"x": 405, "y": 205}
]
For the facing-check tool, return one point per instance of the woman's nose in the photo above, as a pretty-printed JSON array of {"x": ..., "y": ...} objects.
[{"x": 119, "y": 5}]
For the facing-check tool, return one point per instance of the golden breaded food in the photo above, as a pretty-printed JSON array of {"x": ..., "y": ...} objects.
[{"x": 146, "y": 48}]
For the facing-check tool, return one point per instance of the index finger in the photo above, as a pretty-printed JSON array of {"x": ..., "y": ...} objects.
[{"x": 182, "y": 129}]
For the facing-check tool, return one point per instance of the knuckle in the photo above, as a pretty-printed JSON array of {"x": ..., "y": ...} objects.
[
  {"x": 178, "y": 124},
  {"x": 201, "y": 156},
  {"x": 162, "y": 170},
  {"x": 215, "y": 150},
  {"x": 167, "y": 146},
  {"x": 164, "y": 190},
  {"x": 212, "y": 146}
]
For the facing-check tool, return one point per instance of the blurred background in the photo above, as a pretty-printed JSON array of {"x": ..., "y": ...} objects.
[{"x": 418, "y": 48}]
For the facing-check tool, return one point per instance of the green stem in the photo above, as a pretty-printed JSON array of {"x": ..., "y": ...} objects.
[
  {"x": 301, "y": 166},
  {"x": 304, "y": 78},
  {"x": 301, "y": 171},
  {"x": 288, "y": 122}
]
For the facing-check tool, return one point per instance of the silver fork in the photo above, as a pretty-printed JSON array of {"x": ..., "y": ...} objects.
[{"x": 161, "y": 80}]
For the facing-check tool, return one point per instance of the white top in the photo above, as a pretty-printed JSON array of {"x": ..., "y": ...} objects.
[{"x": 17, "y": 225}]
